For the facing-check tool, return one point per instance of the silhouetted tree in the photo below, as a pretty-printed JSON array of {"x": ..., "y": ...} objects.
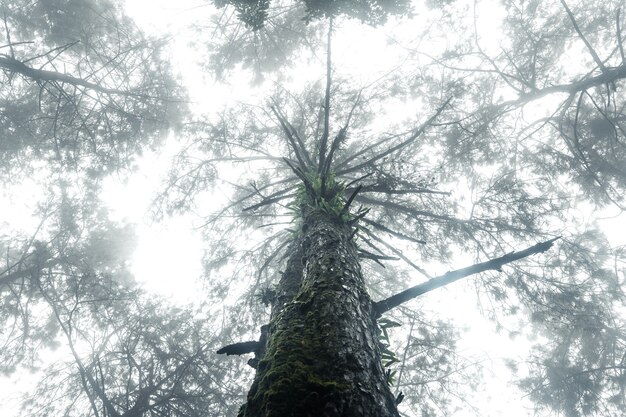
[{"x": 326, "y": 189}]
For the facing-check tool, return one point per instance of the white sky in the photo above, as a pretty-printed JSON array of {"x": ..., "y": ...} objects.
[
  {"x": 364, "y": 55},
  {"x": 168, "y": 256}
]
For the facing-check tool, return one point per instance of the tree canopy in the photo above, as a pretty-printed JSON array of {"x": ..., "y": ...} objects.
[
  {"x": 83, "y": 88},
  {"x": 255, "y": 13},
  {"x": 461, "y": 150}
]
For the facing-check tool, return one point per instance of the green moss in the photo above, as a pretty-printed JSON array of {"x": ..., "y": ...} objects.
[
  {"x": 327, "y": 195},
  {"x": 294, "y": 376}
]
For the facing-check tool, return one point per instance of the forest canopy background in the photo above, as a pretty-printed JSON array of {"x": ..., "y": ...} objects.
[{"x": 530, "y": 147}]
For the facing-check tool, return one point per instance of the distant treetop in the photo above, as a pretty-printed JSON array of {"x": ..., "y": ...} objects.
[{"x": 373, "y": 12}]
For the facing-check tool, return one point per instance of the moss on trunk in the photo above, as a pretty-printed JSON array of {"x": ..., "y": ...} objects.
[{"x": 322, "y": 356}]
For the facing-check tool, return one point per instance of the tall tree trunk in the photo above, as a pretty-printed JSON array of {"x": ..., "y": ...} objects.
[{"x": 322, "y": 356}]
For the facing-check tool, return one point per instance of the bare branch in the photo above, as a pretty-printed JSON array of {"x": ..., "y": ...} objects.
[
  {"x": 8, "y": 34},
  {"x": 270, "y": 200},
  {"x": 416, "y": 133},
  {"x": 369, "y": 255},
  {"x": 393, "y": 232},
  {"x": 371, "y": 147},
  {"x": 341, "y": 136},
  {"x": 610, "y": 75},
  {"x": 324, "y": 139},
  {"x": 406, "y": 209},
  {"x": 58, "y": 49},
  {"x": 378, "y": 188},
  {"x": 294, "y": 134},
  {"x": 362, "y": 177},
  {"x": 290, "y": 137},
  {"x": 212, "y": 218},
  {"x": 618, "y": 31},
  {"x": 359, "y": 216},
  {"x": 376, "y": 258},
  {"x": 302, "y": 176},
  {"x": 593, "y": 53},
  {"x": 396, "y": 252},
  {"x": 449, "y": 277},
  {"x": 39, "y": 75},
  {"x": 240, "y": 348},
  {"x": 10, "y": 45},
  {"x": 346, "y": 206}
]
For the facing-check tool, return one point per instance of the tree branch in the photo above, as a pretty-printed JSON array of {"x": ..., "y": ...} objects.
[
  {"x": 397, "y": 252},
  {"x": 593, "y": 53},
  {"x": 375, "y": 257},
  {"x": 618, "y": 31},
  {"x": 268, "y": 200},
  {"x": 84, "y": 372},
  {"x": 346, "y": 207},
  {"x": 359, "y": 216},
  {"x": 240, "y": 348},
  {"x": 610, "y": 75},
  {"x": 285, "y": 125},
  {"x": 379, "y": 188},
  {"x": 496, "y": 264},
  {"x": 341, "y": 136},
  {"x": 20, "y": 273},
  {"x": 393, "y": 232},
  {"x": 416, "y": 133},
  {"x": 392, "y": 205},
  {"x": 16, "y": 66},
  {"x": 307, "y": 184},
  {"x": 8, "y": 35},
  {"x": 324, "y": 138}
]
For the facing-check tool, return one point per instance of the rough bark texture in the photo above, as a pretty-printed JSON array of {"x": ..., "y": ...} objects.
[
  {"x": 290, "y": 279},
  {"x": 322, "y": 356}
]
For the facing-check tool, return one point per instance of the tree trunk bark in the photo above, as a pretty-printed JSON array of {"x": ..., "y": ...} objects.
[{"x": 322, "y": 356}]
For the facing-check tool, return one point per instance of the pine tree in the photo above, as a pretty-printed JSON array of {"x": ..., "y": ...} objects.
[
  {"x": 329, "y": 193},
  {"x": 321, "y": 354}
]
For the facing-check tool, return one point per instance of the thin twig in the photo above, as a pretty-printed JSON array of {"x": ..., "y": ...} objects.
[
  {"x": 341, "y": 136},
  {"x": 302, "y": 176},
  {"x": 619, "y": 35},
  {"x": 324, "y": 139},
  {"x": 268, "y": 200},
  {"x": 393, "y": 232},
  {"x": 593, "y": 53},
  {"x": 369, "y": 255},
  {"x": 295, "y": 135},
  {"x": 6, "y": 28},
  {"x": 397, "y": 252},
  {"x": 359, "y": 216},
  {"x": 39, "y": 75},
  {"x": 60, "y": 50},
  {"x": 290, "y": 138},
  {"x": 416, "y": 133}
]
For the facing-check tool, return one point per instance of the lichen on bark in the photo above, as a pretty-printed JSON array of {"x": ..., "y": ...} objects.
[{"x": 322, "y": 357}]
